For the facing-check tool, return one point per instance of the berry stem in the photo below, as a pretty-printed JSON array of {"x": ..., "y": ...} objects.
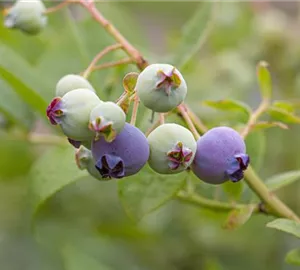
[
  {"x": 135, "y": 110},
  {"x": 254, "y": 117},
  {"x": 214, "y": 205},
  {"x": 106, "y": 50},
  {"x": 196, "y": 120},
  {"x": 110, "y": 28},
  {"x": 161, "y": 118},
  {"x": 124, "y": 61},
  {"x": 261, "y": 190},
  {"x": 188, "y": 121},
  {"x": 59, "y": 6},
  {"x": 156, "y": 124},
  {"x": 122, "y": 98}
]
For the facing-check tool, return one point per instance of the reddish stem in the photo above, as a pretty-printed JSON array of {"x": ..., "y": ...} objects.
[
  {"x": 108, "y": 49},
  {"x": 110, "y": 28}
]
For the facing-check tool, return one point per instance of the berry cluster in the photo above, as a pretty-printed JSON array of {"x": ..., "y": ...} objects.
[{"x": 109, "y": 147}]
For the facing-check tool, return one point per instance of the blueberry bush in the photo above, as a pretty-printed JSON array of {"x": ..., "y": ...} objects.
[{"x": 131, "y": 142}]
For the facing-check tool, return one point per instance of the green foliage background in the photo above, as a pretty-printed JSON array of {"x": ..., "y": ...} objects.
[{"x": 80, "y": 223}]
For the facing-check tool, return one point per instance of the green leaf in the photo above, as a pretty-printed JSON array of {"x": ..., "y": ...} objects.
[
  {"x": 229, "y": 105},
  {"x": 16, "y": 156},
  {"x": 285, "y": 225},
  {"x": 14, "y": 108},
  {"x": 195, "y": 33},
  {"x": 32, "y": 98},
  {"x": 256, "y": 148},
  {"x": 129, "y": 82},
  {"x": 293, "y": 257},
  {"x": 264, "y": 125},
  {"x": 233, "y": 190},
  {"x": 54, "y": 170},
  {"x": 264, "y": 79},
  {"x": 284, "y": 105},
  {"x": 281, "y": 115},
  {"x": 281, "y": 180},
  {"x": 75, "y": 259},
  {"x": 238, "y": 217},
  {"x": 146, "y": 191},
  {"x": 29, "y": 83}
]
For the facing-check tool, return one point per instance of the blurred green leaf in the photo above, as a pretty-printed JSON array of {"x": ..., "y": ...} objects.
[
  {"x": 284, "y": 105},
  {"x": 233, "y": 190},
  {"x": 31, "y": 97},
  {"x": 54, "y": 170},
  {"x": 75, "y": 259},
  {"x": 195, "y": 33},
  {"x": 285, "y": 225},
  {"x": 16, "y": 156},
  {"x": 281, "y": 115},
  {"x": 14, "y": 108},
  {"x": 229, "y": 105},
  {"x": 293, "y": 257},
  {"x": 143, "y": 193},
  {"x": 256, "y": 148},
  {"x": 237, "y": 218},
  {"x": 264, "y": 79},
  {"x": 30, "y": 47},
  {"x": 264, "y": 125},
  {"x": 17, "y": 72},
  {"x": 281, "y": 180}
]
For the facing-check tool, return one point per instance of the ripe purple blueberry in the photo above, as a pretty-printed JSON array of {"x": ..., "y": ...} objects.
[
  {"x": 28, "y": 16},
  {"x": 172, "y": 149},
  {"x": 108, "y": 120},
  {"x": 161, "y": 87},
  {"x": 125, "y": 156},
  {"x": 221, "y": 156},
  {"x": 71, "y": 82},
  {"x": 72, "y": 113}
]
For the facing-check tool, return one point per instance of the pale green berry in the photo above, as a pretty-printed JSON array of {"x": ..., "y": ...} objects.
[
  {"x": 26, "y": 15},
  {"x": 85, "y": 161},
  {"x": 107, "y": 120},
  {"x": 72, "y": 113},
  {"x": 71, "y": 82},
  {"x": 161, "y": 87},
  {"x": 172, "y": 149}
]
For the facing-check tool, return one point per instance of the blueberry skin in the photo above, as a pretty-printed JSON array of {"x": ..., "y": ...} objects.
[
  {"x": 125, "y": 156},
  {"x": 172, "y": 148},
  {"x": 157, "y": 90},
  {"x": 221, "y": 156},
  {"x": 71, "y": 82},
  {"x": 72, "y": 113}
]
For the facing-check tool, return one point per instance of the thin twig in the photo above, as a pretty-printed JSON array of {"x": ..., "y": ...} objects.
[
  {"x": 108, "y": 49},
  {"x": 196, "y": 120},
  {"x": 122, "y": 98},
  {"x": 110, "y": 28},
  {"x": 114, "y": 64},
  {"x": 214, "y": 205},
  {"x": 188, "y": 121},
  {"x": 156, "y": 124},
  {"x": 135, "y": 110},
  {"x": 59, "y": 6},
  {"x": 254, "y": 117},
  {"x": 161, "y": 118},
  {"x": 258, "y": 186}
]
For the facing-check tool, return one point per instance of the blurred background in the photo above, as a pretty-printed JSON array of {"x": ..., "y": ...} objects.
[{"x": 83, "y": 226}]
